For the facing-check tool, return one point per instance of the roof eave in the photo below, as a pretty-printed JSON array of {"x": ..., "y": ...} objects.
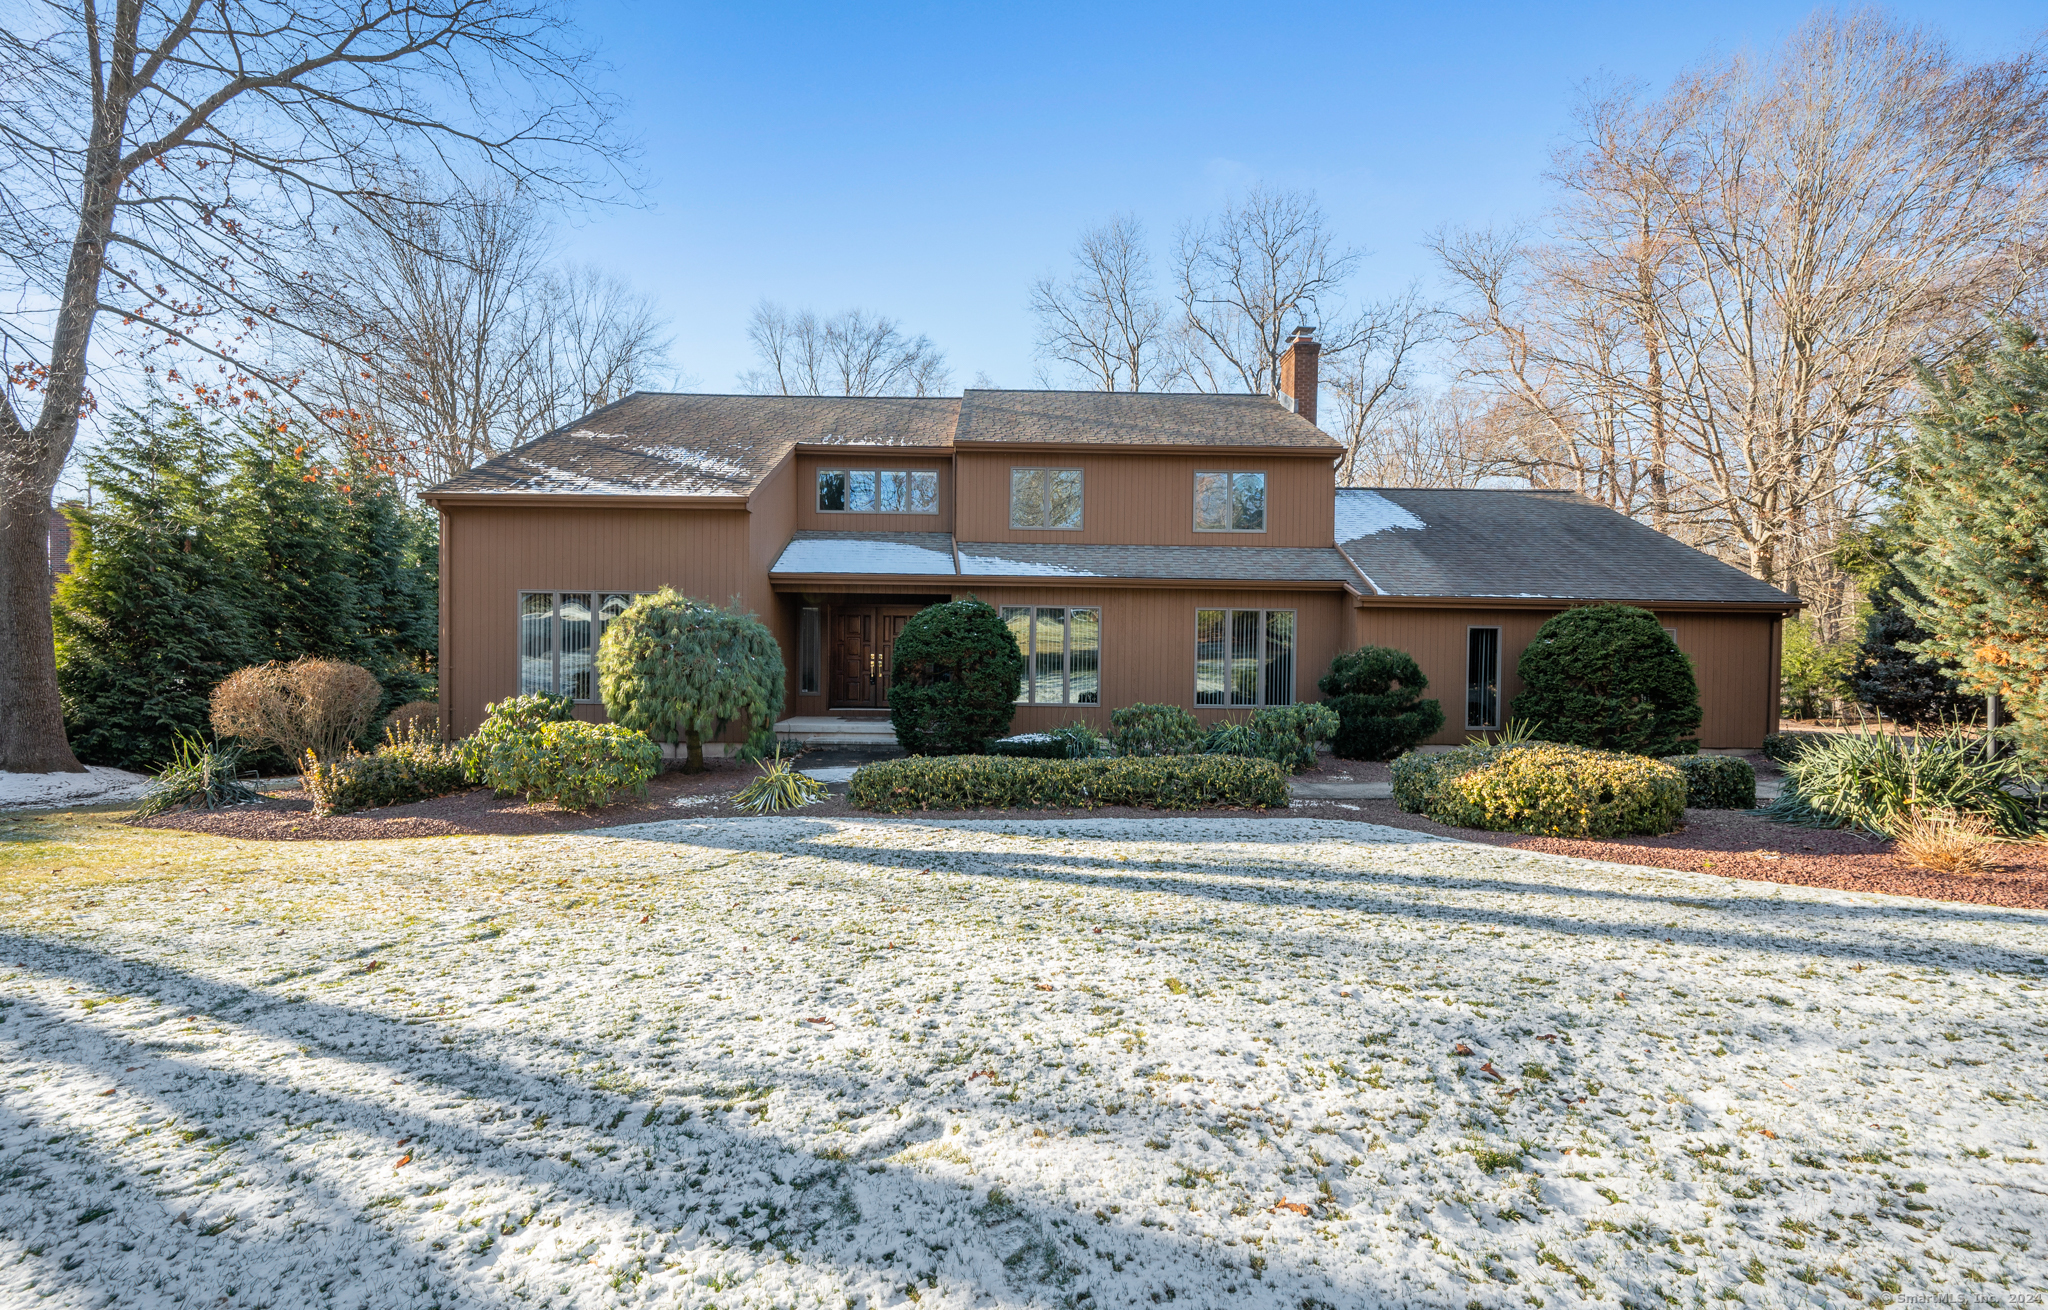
[
  {"x": 1150, "y": 447},
  {"x": 1789, "y": 605},
  {"x": 584, "y": 500}
]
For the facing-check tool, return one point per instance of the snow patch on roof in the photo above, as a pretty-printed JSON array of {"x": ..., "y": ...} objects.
[
  {"x": 1004, "y": 566},
  {"x": 840, "y": 555},
  {"x": 1362, "y": 513}
]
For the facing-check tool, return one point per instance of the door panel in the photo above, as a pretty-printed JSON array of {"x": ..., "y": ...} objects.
[{"x": 853, "y": 648}]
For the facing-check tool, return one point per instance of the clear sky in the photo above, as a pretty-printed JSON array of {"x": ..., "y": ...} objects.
[{"x": 927, "y": 162}]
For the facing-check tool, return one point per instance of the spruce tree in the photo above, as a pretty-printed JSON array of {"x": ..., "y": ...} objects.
[
  {"x": 154, "y": 610},
  {"x": 1978, "y": 480}
]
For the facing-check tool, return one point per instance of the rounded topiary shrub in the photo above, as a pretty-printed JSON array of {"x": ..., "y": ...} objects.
[
  {"x": 1716, "y": 782},
  {"x": 1563, "y": 791},
  {"x": 953, "y": 685},
  {"x": 1377, "y": 694},
  {"x": 1609, "y": 677}
]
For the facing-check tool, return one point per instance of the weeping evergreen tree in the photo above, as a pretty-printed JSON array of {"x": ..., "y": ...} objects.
[
  {"x": 210, "y": 545},
  {"x": 680, "y": 670},
  {"x": 1978, "y": 479},
  {"x": 154, "y": 611}
]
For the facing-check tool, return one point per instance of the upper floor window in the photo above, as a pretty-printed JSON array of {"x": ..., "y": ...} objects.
[
  {"x": 1045, "y": 498},
  {"x": 866, "y": 491},
  {"x": 1230, "y": 502}
]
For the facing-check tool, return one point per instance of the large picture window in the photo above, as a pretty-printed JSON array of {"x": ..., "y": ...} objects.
[
  {"x": 1045, "y": 498},
  {"x": 1482, "y": 677},
  {"x": 1230, "y": 502},
  {"x": 869, "y": 491},
  {"x": 558, "y": 636},
  {"x": 1062, "y": 653},
  {"x": 1244, "y": 657}
]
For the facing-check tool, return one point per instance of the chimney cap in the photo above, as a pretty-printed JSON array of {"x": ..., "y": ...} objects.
[{"x": 1303, "y": 332}]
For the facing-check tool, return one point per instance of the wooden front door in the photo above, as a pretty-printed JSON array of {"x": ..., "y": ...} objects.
[{"x": 863, "y": 648}]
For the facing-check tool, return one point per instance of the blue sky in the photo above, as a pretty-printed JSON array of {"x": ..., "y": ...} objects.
[{"x": 928, "y": 162}]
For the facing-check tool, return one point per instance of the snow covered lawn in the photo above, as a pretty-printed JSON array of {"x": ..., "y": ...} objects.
[
  {"x": 98, "y": 785},
  {"x": 1098, "y": 1063}
]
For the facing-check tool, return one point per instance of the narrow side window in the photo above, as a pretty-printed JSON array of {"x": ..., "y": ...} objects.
[
  {"x": 536, "y": 641},
  {"x": 1482, "y": 677},
  {"x": 809, "y": 646}
]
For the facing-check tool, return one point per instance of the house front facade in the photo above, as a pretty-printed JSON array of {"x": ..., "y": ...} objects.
[{"x": 1185, "y": 549}]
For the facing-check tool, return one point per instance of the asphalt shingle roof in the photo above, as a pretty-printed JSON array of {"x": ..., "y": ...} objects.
[
  {"x": 659, "y": 444},
  {"x": 1134, "y": 418},
  {"x": 1485, "y": 543}
]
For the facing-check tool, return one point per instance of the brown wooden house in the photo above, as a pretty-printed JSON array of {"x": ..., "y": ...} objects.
[{"x": 1177, "y": 548}]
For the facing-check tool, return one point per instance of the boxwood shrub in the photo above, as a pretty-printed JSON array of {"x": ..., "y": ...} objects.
[
  {"x": 1563, "y": 791},
  {"x": 576, "y": 765},
  {"x": 954, "y": 678},
  {"x": 1419, "y": 776},
  {"x": 965, "y": 782},
  {"x": 1716, "y": 782},
  {"x": 1143, "y": 729}
]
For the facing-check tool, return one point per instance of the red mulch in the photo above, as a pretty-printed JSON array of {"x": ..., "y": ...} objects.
[{"x": 1726, "y": 843}]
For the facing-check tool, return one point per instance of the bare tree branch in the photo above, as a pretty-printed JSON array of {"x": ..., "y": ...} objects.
[{"x": 853, "y": 353}]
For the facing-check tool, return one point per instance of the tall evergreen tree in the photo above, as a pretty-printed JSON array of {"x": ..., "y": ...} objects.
[
  {"x": 154, "y": 610},
  {"x": 213, "y": 545},
  {"x": 1979, "y": 489}
]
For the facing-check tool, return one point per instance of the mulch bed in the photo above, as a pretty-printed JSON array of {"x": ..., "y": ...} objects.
[{"x": 1726, "y": 843}]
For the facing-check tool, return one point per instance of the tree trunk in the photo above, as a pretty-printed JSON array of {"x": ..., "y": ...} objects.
[
  {"x": 31, "y": 720},
  {"x": 693, "y": 757}
]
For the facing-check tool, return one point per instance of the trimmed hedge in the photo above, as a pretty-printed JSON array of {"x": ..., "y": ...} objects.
[
  {"x": 1143, "y": 729},
  {"x": 403, "y": 770},
  {"x": 1377, "y": 694},
  {"x": 1170, "y": 782},
  {"x": 1716, "y": 782},
  {"x": 576, "y": 765},
  {"x": 1544, "y": 788},
  {"x": 1076, "y": 741}
]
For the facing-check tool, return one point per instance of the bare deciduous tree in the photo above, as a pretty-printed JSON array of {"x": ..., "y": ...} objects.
[
  {"x": 169, "y": 166},
  {"x": 853, "y": 353},
  {"x": 1104, "y": 323},
  {"x": 1717, "y": 325},
  {"x": 1366, "y": 386},
  {"x": 451, "y": 336}
]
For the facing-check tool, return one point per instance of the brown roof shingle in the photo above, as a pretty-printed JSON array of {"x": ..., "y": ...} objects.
[
  {"x": 1134, "y": 418},
  {"x": 663, "y": 444}
]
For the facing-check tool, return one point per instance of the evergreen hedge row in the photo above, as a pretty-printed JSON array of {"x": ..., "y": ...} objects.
[
  {"x": 1716, "y": 782},
  {"x": 1169, "y": 782}
]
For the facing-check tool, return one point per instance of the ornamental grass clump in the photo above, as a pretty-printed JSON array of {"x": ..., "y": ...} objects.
[
  {"x": 1169, "y": 782},
  {"x": 201, "y": 775},
  {"x": 1944, "y": 842},
  {"x": 576, "y": 765},
  {"x": 780, "y": 787},
  {"x": 1875, "y": 781},
  {"x": 1555, "y": 790}
]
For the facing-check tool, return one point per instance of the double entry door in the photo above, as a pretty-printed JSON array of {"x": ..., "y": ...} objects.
[{"x": 863, "y": 649}]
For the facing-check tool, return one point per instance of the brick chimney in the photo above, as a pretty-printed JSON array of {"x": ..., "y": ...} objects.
[{"x": 1298, "y": 372}]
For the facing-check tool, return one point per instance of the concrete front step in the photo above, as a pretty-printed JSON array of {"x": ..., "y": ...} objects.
[{"x": 830, "y": 730}]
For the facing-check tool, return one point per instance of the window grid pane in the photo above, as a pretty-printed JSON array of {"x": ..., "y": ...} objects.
[
  {"x": 893, "y": 496},
  {"x": 1084, "y": 656},
  {"x": 860, "y": 491},
  {"x": 1212, "y": 659},
  {"x": 536, "y": 641},
  {"x": 831, "y": 490},
  {"x": 1248, "y": 502},
  {"x": 1048, "y": 665},
  {"x": 1027, "y": 498},
  {"x": 1212, "y": 492},
  {"x": 924, "y": 493},
  {"x": 573, "y": 629},
  {"x": 1063, "y": 498},
  {"x": 1279, "y": 689},
  {"x": 1017, "y": 618},
  {"x": 1244, "y": 657}
]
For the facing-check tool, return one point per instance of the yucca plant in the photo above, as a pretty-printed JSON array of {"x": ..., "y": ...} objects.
[
  {"x": 780, "y": 787},
  {"x": 200, "y": 775},
  {"x": 1876, "y": 781}
]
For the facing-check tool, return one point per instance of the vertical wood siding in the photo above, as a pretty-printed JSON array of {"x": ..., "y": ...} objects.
[
  {"x": 1732, "y": 657},
  {"x": 490, "y": 555},
  {"x": 1150, "y": 499}
]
